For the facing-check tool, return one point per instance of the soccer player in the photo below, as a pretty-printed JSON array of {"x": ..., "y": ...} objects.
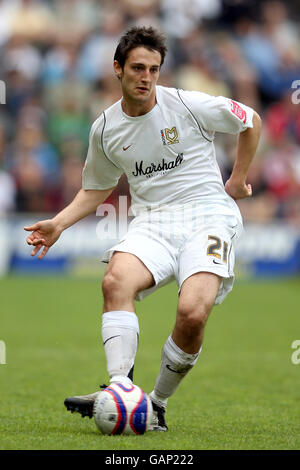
[{"x": 186, "y": 222}]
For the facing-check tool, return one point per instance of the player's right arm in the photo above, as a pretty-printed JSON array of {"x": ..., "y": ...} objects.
[
  {"x": 99, "y": 178},
  {"x": 46, "y": 232}
]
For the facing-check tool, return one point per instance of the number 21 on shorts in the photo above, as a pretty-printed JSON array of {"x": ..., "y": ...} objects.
[{"x": 217, "y": 248}]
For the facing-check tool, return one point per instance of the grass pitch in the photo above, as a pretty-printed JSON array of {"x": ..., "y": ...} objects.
[{"x": 242, "y": 394}]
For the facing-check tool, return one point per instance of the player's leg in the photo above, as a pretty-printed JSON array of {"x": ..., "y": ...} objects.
[
  {"x": 182, "y": 348},
  {"x": 205, "y": 276},
  {"x": 126, "y": 275},
  {"x": 196, "y": 299},
  {"x": 138, "y": 265}
]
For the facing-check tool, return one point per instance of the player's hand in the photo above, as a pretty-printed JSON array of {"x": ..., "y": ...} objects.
[
  {"x": 44, "y": 235},
  {"x": 238, "y": 190}
]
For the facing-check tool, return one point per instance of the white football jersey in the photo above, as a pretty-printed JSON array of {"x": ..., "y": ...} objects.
[{"x": 167, "y": 154}]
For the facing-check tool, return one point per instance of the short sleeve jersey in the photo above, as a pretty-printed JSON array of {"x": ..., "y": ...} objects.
[{"x": 167, "y": 154}]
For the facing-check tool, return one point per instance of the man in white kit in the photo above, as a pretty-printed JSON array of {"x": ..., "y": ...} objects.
[{"x": 186, "y": 222}]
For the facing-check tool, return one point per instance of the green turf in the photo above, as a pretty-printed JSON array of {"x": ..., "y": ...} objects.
[{"x": 242, "y": 394}]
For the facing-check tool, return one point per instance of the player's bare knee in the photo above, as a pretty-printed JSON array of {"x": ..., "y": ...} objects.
[
  {"x": 111, "y": 285},
  {"x": 192, "y": 318},
  {"x": 193, "y": 324},
  {"x": 115, "y": 286}
]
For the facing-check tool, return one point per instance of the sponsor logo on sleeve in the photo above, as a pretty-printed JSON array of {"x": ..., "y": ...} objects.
[{"x": 238, "y": 111}]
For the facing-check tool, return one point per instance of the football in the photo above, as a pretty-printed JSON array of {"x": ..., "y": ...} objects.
[{"x": 122, "y": 409}]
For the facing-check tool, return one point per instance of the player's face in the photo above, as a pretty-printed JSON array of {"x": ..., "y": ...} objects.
[{"x": 138, "y": 79}]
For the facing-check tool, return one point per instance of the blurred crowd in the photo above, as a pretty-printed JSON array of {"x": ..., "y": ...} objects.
[{"x": 56, "y": 68}]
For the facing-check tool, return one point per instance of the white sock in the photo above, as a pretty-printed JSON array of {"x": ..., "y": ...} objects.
[
  {"x": 120, "y": 330},
  {"x": 175, "y": 364}
]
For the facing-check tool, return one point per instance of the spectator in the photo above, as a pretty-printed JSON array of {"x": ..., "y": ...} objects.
[
  {"x": 69, "y": 119},
  {"x": 282, "y": 120},
  {"x": 31, "y": 145},
  {"x": 33, "y": 20},
  {"x": 60, "y": 62},
  {"x": 181, "y": 17},
  {"x": 94, "y": 61},
  {"x": 274, "y": 77},
  {"x": 200, "y": 72},
  {"x": 86, "y": 15}
]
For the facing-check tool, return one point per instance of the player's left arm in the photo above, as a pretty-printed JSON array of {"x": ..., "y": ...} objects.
[{"x": 237, "y": 186}]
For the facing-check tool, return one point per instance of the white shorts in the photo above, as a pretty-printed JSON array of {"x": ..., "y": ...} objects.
[{"x": 171, "y": 249}]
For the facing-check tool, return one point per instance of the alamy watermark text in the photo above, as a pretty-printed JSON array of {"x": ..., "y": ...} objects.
[
  {"x": 296, "y": 93},
  {"x": 2, "y": 352},
  {"x": 2, "y": 92},
  {"x": 296, "y": 354}
]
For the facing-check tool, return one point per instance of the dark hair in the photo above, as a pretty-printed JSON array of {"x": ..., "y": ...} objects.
[{"x": 140, "y": 36}]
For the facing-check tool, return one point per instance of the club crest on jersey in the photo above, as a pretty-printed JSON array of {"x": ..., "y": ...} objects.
[
  {"x": 169, "y": 136},
  {"x": 238, "y": 111}
]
